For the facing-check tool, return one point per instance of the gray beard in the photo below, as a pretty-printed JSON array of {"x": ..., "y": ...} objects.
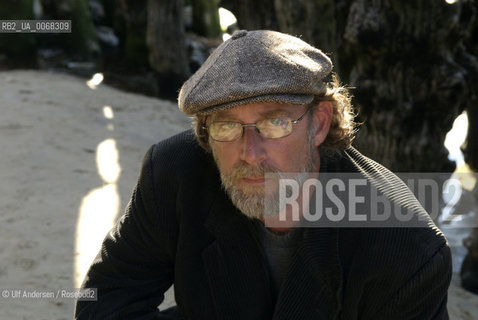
[
  {"x": 255, "y": 202},
  {"x": 259, "y": 203}
]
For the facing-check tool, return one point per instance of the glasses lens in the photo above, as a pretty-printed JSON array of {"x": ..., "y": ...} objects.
[
  {"x": 225, "y": 130},
  {"x": 275, "y": 128}
]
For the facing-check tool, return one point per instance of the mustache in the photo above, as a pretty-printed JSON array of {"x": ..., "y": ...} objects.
[{"x": 243, "y": 170}]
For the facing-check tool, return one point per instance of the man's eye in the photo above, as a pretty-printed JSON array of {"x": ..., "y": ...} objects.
[{"x": 277, "y": 122}]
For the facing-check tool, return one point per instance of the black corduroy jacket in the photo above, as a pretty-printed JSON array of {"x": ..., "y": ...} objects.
[{"x": 180, "y": 227}]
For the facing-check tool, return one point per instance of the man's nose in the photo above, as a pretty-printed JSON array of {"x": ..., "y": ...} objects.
[{"x": 252, "y": 146}]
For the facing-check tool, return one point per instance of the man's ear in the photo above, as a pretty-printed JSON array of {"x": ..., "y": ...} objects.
[{"x": 322, "y": 118}]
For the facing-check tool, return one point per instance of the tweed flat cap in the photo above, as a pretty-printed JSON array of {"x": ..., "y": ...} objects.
[{"x": 256, "y": 66}]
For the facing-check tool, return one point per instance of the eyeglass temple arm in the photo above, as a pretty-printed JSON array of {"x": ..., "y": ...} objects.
[{"x": 301, "y": 117}]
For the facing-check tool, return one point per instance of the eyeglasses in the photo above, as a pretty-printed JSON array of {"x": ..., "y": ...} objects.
[{"x": 273, "y": 128}]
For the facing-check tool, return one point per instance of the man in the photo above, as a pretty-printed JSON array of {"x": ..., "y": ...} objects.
[{"x": 262, "y": 103}]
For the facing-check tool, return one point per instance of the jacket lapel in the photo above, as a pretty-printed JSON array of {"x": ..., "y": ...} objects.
[
  {"x": 312, "y": 288},
  {"x": 234, "y": 264}
]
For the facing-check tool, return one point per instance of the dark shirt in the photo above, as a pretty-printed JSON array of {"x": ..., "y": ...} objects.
[{"x": 279, "y": 249}]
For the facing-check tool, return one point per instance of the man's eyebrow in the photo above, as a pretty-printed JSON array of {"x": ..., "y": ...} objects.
[
  {"x": 221, "y": 117},
  {"x": 276, "y": 113}
]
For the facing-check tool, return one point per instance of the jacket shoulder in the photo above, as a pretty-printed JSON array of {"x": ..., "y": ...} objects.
[
  {"x": 397, "y": 246},
  {"x": 179, "y": 153}
]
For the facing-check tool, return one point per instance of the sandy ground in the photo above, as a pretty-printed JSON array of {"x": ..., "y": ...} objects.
[{"x": 70, "y": 157}]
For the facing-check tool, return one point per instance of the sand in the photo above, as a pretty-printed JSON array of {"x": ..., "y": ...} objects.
[{"x": 70, "y": 157}]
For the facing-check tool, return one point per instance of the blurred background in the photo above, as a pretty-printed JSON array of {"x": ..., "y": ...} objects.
[{"x": 78, "y": 110}]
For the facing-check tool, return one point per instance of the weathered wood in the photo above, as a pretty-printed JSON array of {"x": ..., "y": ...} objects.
[
  {"x": 253, "y": 14},
  {"x": 470, "y": 149},
  {"x": 134, "y": 37},
  {"x": 313, "y": 21},
  {"x": 409, "y": 85},
  {"x": 17, "y": 47},
  {"x": 82, "y": 41},
  {"x": 206, "y": 18},
  {"x": 166, "y": 43},
  {"x": 469, "y": 59}
]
